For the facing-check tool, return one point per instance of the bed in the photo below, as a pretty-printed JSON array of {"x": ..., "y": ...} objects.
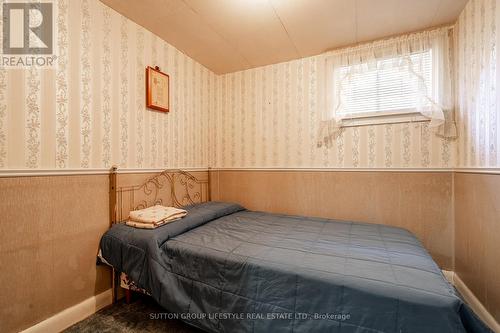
[{"x": 223, "y": 268}]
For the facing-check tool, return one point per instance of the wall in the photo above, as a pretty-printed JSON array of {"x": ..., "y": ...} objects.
[
  {"x": 86, "y": 112},
  {"x": 477, "y": 211},
  {"x": 89, "y": 111},
  {"x": 49, "y": 235},
  {"x": 268, "y": 117},
  {"x": 418, "y": 201},
  {"x": 477, "y": 85},
  {"x": 477, "y": 195},
  {"x": 129, "y": 199},
  {"x": 49, "y": 242}
]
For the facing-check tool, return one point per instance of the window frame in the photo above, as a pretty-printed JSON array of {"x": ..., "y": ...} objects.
[
  {"x": 380, "y": 118},
  {"x": 404, "y": 115}
]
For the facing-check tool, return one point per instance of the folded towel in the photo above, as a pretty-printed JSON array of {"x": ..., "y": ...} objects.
[
  {"x": 149, "y": 225},
  {"x": 156, "y": 214}
]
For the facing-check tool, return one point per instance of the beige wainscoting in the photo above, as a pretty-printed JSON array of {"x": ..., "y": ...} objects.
[
  {"x": 418, "y": 201},
  {"x": 198, "y": 191},
  {"x": 50, "y": 227},
  {"x": 134, "y": 179},
  {"x": 49, "y": 235},
  {"x": 477, "y": 243}
]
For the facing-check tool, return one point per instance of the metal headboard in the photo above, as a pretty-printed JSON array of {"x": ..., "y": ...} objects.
[{"x": 169, "y": 188}]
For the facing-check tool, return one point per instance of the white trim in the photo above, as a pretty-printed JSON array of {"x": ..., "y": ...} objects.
[
  {"x": 102, "y": 171},
  {"x": 449, "y": 275},
  {"x": 51, "y": 172},
  {"x": 492, "y": 171},
  {"x": 409, "y": 112},
  {"x": 75, "y": 172},
  {"x": 72, "y": 315},
  {"x": 384, "y": 118},
  {"x": 475, "y": 304},
  {"x": 340, "y": 169},
  {"x": 191, "y": 169}
]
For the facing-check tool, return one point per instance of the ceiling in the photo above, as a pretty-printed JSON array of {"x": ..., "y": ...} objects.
[{"x": 232, "y": 35}]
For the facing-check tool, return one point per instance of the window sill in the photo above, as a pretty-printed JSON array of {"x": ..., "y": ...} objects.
[{"x": 384, "y": 119}]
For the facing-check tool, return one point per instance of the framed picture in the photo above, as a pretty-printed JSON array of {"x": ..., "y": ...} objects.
[{"x": 157, "y": 89}]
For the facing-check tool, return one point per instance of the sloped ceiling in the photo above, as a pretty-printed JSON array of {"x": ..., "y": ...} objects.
[{"x": 233, "y": 35}]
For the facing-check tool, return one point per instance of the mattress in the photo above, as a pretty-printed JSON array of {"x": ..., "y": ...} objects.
[{"x": 223, "y": 268}]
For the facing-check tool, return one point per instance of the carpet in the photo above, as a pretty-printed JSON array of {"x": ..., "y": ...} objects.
[{"x": 143, "y": 314}]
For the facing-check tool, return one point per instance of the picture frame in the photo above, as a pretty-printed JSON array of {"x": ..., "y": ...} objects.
[{"x": 157, "y": 89}]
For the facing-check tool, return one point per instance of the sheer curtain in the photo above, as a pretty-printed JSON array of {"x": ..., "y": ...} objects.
[{"x": 429, "y": 93}]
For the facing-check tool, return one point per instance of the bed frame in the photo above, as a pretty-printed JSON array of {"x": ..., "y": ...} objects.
[{"x": 171, "y": 187}]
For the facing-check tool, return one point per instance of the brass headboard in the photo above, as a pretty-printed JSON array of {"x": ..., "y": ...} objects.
[{"x": 169, "y": 188}]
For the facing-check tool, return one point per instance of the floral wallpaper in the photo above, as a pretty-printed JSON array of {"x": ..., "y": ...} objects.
[
  {"x": 268, "y": 117},
  {"x": 88, "y": 111},
  {"x": 478, "y": 98}
]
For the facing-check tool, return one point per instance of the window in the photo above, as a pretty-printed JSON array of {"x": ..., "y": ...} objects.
[
  {"x": 394, "y": 88},
  {"x": 401, "y": 79}
]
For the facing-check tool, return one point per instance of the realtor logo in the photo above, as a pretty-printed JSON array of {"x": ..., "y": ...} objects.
[
  {"x": 27, "y": 28},
  {"x": 27, "y": 39}
]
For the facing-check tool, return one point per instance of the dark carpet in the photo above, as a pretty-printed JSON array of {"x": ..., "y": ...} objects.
[{"x": 141, "y": 315}]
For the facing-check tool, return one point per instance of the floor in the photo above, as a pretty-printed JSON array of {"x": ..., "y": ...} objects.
[{"x": 141, "y": 315}]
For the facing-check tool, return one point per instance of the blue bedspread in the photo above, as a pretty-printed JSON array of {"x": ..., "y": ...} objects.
[{"x": 226, "y": 269}]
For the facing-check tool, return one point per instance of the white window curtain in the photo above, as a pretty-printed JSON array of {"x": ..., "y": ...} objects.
[{"x": 405, "y": 59}]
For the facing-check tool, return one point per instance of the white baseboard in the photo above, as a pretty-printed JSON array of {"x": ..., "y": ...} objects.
[
  {"x": 475, "y": 304},
  {"x": 72, "y": 315},
  {"x": 449, "y": 275}
]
